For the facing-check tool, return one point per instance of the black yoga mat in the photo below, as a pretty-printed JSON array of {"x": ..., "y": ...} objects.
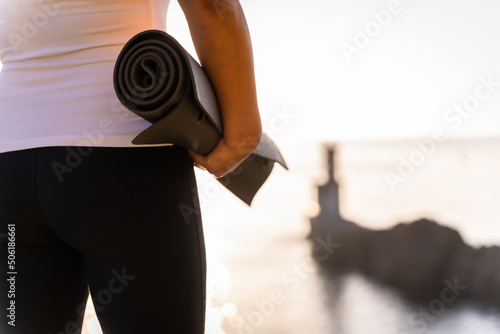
[{"x": 157, "y": 79}]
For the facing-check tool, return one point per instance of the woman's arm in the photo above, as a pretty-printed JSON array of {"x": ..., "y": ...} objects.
[{"x": 222, "y": 41}]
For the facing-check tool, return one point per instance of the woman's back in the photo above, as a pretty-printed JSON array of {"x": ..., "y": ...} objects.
[{"x": 56, "y": 82}]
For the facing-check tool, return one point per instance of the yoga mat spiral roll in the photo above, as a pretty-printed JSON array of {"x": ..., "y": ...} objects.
[{"x": 157, "y": 79}]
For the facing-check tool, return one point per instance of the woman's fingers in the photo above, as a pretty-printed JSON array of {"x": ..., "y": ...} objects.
[{"x": 223, "y": 159}]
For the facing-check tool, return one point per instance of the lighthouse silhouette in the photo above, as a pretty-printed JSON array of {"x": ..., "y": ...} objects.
[{"x": 329, "y": 218}]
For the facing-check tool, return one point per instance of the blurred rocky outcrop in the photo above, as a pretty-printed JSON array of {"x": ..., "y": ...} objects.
[{"x": 416, "y": 257}]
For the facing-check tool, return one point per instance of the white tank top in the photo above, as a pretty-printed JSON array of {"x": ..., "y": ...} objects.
[{"x": 56, "y": 83}]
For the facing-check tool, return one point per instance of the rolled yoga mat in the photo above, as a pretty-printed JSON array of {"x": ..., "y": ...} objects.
[{"x": 157, "y": 79}]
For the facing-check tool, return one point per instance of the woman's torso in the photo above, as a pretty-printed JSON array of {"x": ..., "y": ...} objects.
[{"x": 56, "y": 84}]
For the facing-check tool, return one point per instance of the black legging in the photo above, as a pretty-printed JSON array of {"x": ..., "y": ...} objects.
[{"x": 122, "y": 222}]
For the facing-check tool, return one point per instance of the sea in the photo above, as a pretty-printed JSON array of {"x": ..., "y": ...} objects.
[{"x": 262, "y": 278}]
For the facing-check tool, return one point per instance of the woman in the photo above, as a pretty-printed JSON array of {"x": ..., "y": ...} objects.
[{"x": 80, "y": 208}]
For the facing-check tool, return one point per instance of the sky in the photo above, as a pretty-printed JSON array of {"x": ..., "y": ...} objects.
[{"x": 365, "y": 69}]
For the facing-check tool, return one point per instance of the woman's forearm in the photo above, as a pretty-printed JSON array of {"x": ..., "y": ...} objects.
[{"x": 222, "y": 41}]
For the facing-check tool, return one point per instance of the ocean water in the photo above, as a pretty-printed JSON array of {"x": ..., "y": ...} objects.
[{"x": 263, "y": 280}]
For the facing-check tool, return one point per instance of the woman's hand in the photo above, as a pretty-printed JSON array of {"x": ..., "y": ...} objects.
[{"x": 228, "y": 154}]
